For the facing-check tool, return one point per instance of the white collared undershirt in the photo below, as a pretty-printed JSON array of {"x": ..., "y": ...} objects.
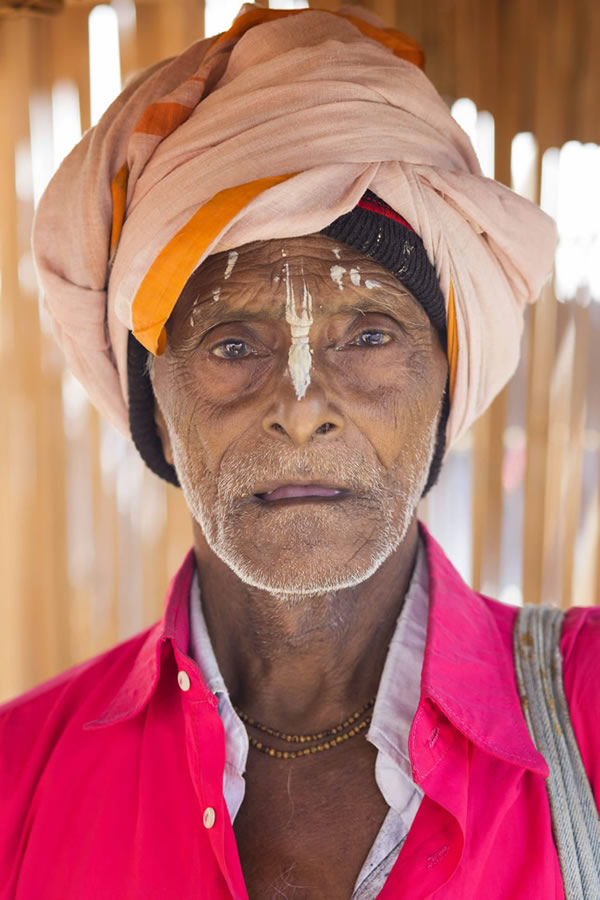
[{"x": 395, "y": 707}]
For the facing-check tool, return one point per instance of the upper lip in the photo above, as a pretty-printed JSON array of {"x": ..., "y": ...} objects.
[{"x": 268, "y": 486}]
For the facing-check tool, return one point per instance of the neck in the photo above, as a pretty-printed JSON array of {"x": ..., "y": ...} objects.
[{"x": 302, "y": 663}]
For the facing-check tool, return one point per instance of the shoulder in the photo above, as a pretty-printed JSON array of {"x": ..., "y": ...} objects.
[
  {"x": 46, "y": 747},
  {"x": 104, "y": 664},
  {"x": 580, "y": 641},
  {"x": 580, "y": 645},
  {"x": 37, "y": 718}
]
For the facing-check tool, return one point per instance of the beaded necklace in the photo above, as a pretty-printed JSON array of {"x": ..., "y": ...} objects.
[{"x": 313, "y": 743}]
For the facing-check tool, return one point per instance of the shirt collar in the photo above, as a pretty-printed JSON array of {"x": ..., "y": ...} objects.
[
  {"x": 400, "y": 685},
  {"x": 201, "y": 648},
  {"x": 468, "y": 669},
  {"x": 140, "y": 683}
]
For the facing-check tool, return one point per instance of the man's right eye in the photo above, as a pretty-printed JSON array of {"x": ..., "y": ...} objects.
[{"x": 232, "y": 350}]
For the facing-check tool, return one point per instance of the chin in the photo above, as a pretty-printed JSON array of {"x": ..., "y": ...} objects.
[
  {"x": 298, "y": 581},
  {"x": 306, "y": 560}
]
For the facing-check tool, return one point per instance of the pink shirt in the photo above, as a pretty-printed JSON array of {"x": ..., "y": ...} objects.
[{"x": 111, "y": 775}]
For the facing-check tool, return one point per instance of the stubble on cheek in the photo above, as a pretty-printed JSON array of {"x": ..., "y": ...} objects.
[
  {"x": 181, "y": 410},
  {"x": 198, "y": 482}
]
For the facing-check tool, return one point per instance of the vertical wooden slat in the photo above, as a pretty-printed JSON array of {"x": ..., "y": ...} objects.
[
  {"x": 53, "y": 634},
  {"x": 572, "y": 475},
  {"x": 467, "y": 52},
  {"x": 490, "y": 50},
  {"x": 542, "y": 340},
  {"x": 558, "y": 440},
  {"x": 329, "y": 5},
  {"x": 103, "y": 588},
  {"x": 585, "y": 99},
  {"x": 13, "y": 609},
  {"x": 488, "y": 455},
  {"x": 69, "y": 41},
  {"x": 434, "y": 26},
  {"x": 488, "y": 432}
]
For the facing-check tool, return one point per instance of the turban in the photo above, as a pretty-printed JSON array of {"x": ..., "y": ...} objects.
[{"x": 274, "y": 129}]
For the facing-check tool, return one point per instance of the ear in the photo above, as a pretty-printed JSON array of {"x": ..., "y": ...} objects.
[{"x": 163, "y": 433}]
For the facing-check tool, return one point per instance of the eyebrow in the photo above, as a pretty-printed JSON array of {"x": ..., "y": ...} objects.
[
  {"x": 385, "y": 302},
  {"x": 208, "y": 315}
]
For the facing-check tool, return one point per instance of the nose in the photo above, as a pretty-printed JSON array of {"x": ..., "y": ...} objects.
[{"x": 302, "y": 420}]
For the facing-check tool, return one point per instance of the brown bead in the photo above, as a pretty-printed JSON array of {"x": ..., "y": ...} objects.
[
  {"x": 291, "y": 738},
  {"x": 337, "y": 737}
]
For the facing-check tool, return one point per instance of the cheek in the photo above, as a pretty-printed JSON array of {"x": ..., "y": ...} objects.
[
  {"x": 202, "y": 425},
  {"x": 389, "y": 423},
  {"x": 398, "y": 415}
]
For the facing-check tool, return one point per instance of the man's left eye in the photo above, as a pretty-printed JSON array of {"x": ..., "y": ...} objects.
[
  {"x": 371, "y": 339},
  {"x": 232, "y": 350}
]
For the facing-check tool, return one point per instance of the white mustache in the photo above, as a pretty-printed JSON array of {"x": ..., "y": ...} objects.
[{"x": 350, "y": 469}]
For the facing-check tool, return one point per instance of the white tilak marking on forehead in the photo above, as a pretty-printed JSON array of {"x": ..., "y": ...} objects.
[
  {"x": 355, "y": 276},
  {"x": 336, "y": 252},
  {"x": 337, "y": 273},
  {"x": 300, "y": 355},
  {"x": 372, "y": 284},
  {"x": 231, "y": 261},
  {"x": 216, "y": 294}
]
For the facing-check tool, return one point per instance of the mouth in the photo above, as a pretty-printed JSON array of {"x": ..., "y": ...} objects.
[{"x": 286, "y": 492}]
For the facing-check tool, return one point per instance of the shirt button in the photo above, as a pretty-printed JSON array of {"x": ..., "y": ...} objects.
[
  {"x": 209, "y": 817},
  {"x": 183, "y": 680}
]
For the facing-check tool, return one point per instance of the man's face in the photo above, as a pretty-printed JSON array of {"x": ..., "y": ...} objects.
[{"x": 312, "y": 495}]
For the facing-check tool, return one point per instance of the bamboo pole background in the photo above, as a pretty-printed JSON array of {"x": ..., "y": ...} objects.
[{"x": 89, "y": 538}]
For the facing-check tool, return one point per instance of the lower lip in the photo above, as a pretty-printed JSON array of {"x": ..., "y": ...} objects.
[{"x": 300, "y": 494}]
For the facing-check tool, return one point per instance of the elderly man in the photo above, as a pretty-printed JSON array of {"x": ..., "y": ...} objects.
[{"x": 276, "y": 265}]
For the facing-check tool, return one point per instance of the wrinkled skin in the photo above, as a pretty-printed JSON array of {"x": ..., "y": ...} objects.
[{"x": 301, "y": 596}]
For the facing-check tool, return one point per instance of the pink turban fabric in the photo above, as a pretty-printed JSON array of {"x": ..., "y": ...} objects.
[{"x": 274, "y": 130}]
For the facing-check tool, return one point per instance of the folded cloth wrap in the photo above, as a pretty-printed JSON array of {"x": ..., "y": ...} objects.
[{"x": 274, "y": 129}]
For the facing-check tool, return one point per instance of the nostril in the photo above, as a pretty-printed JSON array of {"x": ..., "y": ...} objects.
[
  {"x": 325, "y": 427},
  {"x": 278, "y": 428}
]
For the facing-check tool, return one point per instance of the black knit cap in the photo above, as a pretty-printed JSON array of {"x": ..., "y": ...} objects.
[{"x": 371, "y": 228}]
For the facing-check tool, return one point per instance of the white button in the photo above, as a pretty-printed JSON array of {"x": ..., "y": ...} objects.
[
  {"x": 209, "y": 817},
  {"x": 183, "y": 680}
]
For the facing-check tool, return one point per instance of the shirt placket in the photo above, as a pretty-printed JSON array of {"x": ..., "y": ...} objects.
[
  {"x": 205, "y": 744},
  {"x": 434, "y": 845}
]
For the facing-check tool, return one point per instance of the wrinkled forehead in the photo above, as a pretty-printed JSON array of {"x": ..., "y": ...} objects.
[{"x": 333, "y": 272}]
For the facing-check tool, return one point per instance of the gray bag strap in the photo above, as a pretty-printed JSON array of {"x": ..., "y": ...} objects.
[{"x": 575, "y": 823}]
